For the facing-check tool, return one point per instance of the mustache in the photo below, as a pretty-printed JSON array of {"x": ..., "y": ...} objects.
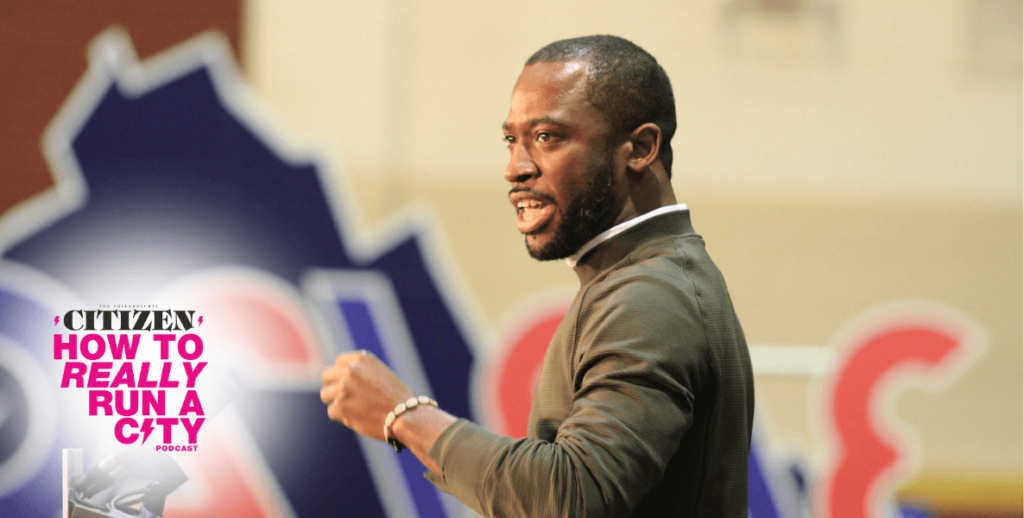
[{"x": 544, "y": 196}]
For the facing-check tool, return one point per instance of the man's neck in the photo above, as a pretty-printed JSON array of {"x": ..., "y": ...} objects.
[
  {"x": 620, "y": 228},
  {"x": 648, "y": 190},
  {"x": 615, "y": 243}
]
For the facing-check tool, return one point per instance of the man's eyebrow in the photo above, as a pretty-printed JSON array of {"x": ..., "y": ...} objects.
[{"x": 540, "y": 120}]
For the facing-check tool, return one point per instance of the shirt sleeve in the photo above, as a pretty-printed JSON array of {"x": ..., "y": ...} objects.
[{"x": 639, "y": 359}]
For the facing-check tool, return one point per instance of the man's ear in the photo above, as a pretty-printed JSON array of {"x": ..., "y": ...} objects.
[{"x": 646, "y": 140}]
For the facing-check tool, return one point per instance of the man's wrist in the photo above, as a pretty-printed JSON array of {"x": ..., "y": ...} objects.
[
  {"x": 420, "y": 429},
  {"x": 400, "y": 410}
]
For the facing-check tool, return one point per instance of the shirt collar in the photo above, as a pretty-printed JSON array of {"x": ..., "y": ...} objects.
[{"x": 620, "y": 228}]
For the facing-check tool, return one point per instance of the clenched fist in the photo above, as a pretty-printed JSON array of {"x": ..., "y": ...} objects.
[{"x": 359, "y": 391}]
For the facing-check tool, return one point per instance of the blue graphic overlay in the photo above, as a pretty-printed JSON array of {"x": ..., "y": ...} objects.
[
  {"x": 364, "y": 332},
  {"x": 760, "y": 501},
  {"x": 316, "y": 461},
  {"x": 24, "y": 323}
]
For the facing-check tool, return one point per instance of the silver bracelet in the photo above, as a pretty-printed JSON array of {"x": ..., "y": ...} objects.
[{"x": 402, "y": 408}]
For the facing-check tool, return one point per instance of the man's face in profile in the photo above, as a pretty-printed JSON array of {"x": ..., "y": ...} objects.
[{"x": 560, "y": 166}]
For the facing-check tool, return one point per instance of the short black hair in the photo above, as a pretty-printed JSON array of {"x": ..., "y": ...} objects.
[{"x": 624, "y": 82}]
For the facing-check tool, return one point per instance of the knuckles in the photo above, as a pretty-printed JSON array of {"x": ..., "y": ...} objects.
[
  {"x": 346, "y": 385},
  {"x": 357, "y": 369},
  {"x": 327, "y": 375}
]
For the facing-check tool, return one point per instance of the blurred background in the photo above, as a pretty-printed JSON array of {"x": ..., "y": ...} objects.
[{"x": 840, "y": 159}]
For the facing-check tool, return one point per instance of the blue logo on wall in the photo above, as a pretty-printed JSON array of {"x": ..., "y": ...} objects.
[{"x": 168, "y": 170}]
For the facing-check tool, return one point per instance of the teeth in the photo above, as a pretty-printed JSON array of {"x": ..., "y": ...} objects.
[{"x": 529, "y": 204}]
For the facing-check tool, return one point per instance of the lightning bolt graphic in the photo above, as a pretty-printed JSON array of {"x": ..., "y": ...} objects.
[
  {"x": 57, "y": 319},
  {"x": 200, "y": 320},
  {"x": 147, "y": 428}
]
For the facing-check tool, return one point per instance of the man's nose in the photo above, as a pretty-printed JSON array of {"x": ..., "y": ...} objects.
[{"x": 520, "y": 166}]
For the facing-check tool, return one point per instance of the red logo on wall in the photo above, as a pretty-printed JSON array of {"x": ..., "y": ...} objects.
[{"x": 869, "y": 452}]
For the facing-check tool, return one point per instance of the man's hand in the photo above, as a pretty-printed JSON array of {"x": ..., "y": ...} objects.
[{"x": 359, "y": 391}]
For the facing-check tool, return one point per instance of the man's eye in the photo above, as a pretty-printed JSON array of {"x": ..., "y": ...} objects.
[
  {"x": 509, "y": 139},
  {"x": 543, "y": 137}
]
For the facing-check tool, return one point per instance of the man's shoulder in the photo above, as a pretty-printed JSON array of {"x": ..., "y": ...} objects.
[
  {"x": 647, "y": 306},
  {"x": 671, "y": 273},
  {"x": 656, "y": 284},
  {"x": 665, "y": 262}
]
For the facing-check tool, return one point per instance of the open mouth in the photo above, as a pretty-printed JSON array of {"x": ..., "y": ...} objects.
[{"x": 534, "y": 214}]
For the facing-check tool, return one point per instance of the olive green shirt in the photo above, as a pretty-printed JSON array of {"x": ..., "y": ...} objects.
[{"x": 645, "y": 401}]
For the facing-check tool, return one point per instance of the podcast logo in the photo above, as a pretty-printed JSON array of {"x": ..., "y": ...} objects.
[{"x": 122, "y": 383}]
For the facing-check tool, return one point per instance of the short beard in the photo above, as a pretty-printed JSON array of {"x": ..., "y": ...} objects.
[{"x": 582, "y": 218}]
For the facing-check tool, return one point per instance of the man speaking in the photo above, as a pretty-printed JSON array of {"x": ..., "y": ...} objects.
[{"x": 645, "y": 401}]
